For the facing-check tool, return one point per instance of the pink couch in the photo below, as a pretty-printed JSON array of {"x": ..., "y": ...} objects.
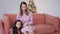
[
  {"x": 44, "y": 24},
  {"x": 1, "y": 28}
]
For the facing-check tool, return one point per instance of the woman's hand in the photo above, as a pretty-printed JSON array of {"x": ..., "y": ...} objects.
[{"x": 26, "y": 24}]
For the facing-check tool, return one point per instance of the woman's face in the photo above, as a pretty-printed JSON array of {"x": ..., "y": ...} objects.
[
  {"x": 18, "y": 24},
  {"x": 23, "y": 7}
]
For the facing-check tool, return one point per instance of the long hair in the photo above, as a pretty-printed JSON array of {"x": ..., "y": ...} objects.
[
  {"x": 15, "y": 28},
  {"x": 21, "y": 11}
]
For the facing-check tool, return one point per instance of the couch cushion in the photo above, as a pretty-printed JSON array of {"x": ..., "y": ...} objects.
[
  {"x": 44, "y": 29},
  {"x": 12, "y": 18},
  {"x": 54, "y": 21},
  {"x": 38, "y": 19},
  {"x": 11, "y": 30}
]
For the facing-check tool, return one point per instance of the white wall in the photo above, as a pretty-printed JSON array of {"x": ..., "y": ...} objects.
[{"x": 51, "y": 7}]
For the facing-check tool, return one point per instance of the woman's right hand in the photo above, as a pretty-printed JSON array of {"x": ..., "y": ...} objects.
[{"x": 25, "y": 24}]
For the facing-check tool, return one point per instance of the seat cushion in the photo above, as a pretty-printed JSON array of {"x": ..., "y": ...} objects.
[
  {"x": 12, "y": 18},
  {"x": 11, "y": 31},
  {"x": 44, "y": 28}
]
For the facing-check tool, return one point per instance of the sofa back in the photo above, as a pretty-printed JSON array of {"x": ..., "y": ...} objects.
[
  {"x": 37, "y": 18},
  {"x": 54, "y": 21},
  {"x": 11, "y": 17}
]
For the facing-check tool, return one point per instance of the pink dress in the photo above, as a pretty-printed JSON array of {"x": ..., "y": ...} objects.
[{"x": 27, "y": 19}]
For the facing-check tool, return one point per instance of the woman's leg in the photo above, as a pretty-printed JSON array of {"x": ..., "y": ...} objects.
[
  {"x": 25, "y": 32},
  {"x": 28, "y": 30},
  {"x": 31, "y": 33},
  {"x": 31, "y": 30},
  {"x": 28, "y": 33}
]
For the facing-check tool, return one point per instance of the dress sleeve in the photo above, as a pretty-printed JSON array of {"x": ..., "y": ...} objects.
[
  {"x": 18, "y": 16},
  {"x": 30, "y": 18}
]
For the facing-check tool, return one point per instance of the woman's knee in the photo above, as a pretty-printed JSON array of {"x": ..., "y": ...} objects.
[
  {"x": 26, "y": 32},
  {"x": 30, "y": 32}
]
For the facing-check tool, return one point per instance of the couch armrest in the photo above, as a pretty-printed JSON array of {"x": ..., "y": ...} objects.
[
  {"x": 1, "y": 28},
  {"x": 6, "y": 24}
]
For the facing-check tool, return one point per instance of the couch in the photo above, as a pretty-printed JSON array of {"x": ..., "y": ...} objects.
[
  {"x": 2, "y": 31},
  {"x": 44, "y": 23}
]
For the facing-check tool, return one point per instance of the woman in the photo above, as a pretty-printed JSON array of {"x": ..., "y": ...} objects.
[
  {"x": 16, "y": 28},
  {"x": 26, "y": 17}
]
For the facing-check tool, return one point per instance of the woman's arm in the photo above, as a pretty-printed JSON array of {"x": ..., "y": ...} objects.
[
  {"x": 18, "y": 16},
  {"x": 30, "y": 18}
]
